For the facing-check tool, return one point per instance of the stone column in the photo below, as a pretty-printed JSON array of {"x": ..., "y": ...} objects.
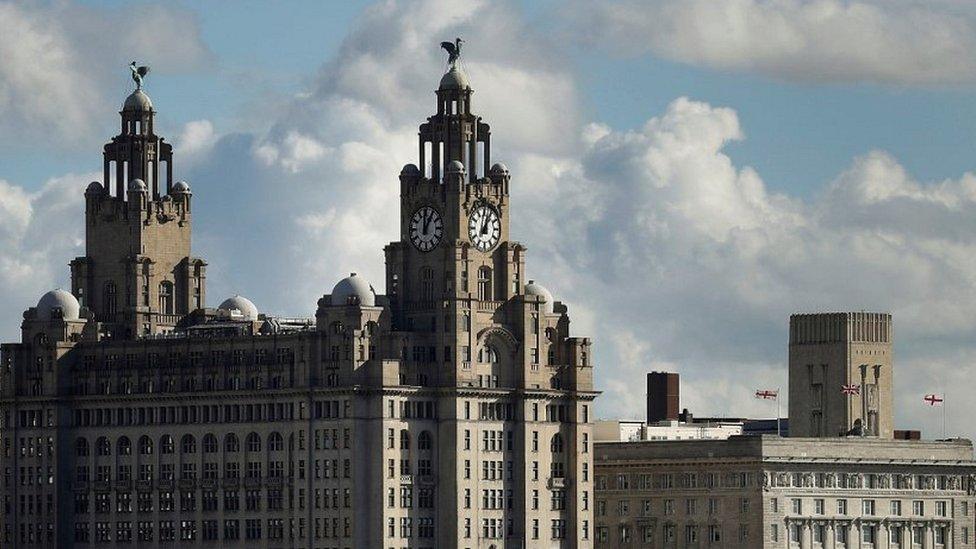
[
  {"x": 928, "y": 540},
  {"x": 831, "y": 536},
  {"x": 883, "y": 539},
  {"x": 806, "y": 541}
]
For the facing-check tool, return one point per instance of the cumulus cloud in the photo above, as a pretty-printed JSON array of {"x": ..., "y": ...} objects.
[
  {"x": 887, "y": 42},
  {"x": 40, "y": 232},
  {"x": 54, "y": 54},
  {"x": 687, "y": 259},
  {"x": 668, "y": 254}
]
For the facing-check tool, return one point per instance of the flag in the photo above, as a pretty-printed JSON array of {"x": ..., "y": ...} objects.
[
  {"x": 851, "y": 390},
  {"x": 767, "y": 394},
  {"x": 934, "y": 400}
]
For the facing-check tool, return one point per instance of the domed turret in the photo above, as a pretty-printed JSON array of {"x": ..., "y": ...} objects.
[
  {"x": 94, "y": 188},
  {"x": 410, "y": 169},
  {"x": 241, "y": 304},
  {"x": 137, "y": 186},
  {"x": 137, "y": 101},
  {"x": 498, "y": 168},
  {"x": 454, "y": 79},
  {"x": 539, "y": 290},
  {"x": 455, "y": 166},
  {"x": 354, "y": 290},
  {"x": 181, "y": 187},
  {"x": 58, "y": 300}
]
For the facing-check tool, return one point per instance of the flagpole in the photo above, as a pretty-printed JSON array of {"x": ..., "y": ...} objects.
[
  {"x": 944, "y": 404},
  {"x": 779, "y": 432}
]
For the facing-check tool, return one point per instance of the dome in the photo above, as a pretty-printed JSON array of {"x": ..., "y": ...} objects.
[
  {"x": 137, "y": 101},
  {"x": 454, "y": 79},
  {"x": 137, "y": 185},
  {"x": 94, "y": 188},
  {"x": 455, "y": 167},
  {"x": 537, "y": 289},
  {"x": 241, "y": 304},
  {"x": 354, "y": 290},
  {"x": 181, "y": 187},
  {"x": 410, "y": 169},
  {"x": 498, "y": 168},
  {"x": 58, "y": 300}
]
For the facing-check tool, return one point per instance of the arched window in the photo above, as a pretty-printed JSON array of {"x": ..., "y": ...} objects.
[
  {"x": 124, "y": 446},
  {"x": 145, "y": 446},
  {"x": 188, "y": 445},
  {"x": 556, "y": 444},
  {"x": 426, "y": 284},
  {"x": 209, "y": 443},
  {"x": 488, "y": 355},
  {"x": 276, "y": 443},
  {"x": 253, "y": 442},
  {"x": 109, "y": 298},
  {"x": 166, "y": 445},
  {"x": 424, "y": 441},
  {"x": 103, "y": 447},
  {"x": 484, "y": 284},
  {"x": 81, "y": 447},
  {"x": 404, "y": 439},
  {"x": 166, "y": 297},
  {"x": 231, "y": 444}
]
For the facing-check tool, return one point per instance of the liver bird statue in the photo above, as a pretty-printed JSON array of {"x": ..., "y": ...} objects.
[
  {"x": 138, "y": 73},
  {"x": 453, "y": 51}
]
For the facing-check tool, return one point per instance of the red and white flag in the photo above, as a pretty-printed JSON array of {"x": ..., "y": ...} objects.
[
  {"x": 767, "y": 394},
  {"x": 934, "y": 400},
  {"x": 851, "y": 390}
]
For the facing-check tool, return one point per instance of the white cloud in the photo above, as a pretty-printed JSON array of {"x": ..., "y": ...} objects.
[
  {"x": 40, "y": 232},
  {"x": 57, "y": 58},
  {"x": 888, "y": 42},
  {"x": 668, "y": 254}
]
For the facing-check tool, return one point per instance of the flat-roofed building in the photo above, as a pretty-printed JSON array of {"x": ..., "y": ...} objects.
[{"x": 767, "y": 491}]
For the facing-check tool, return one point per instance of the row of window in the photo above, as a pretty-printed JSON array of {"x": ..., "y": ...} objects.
[
  {"x": 187, "y": 530},
  {"x": 188, "y": 445},
  {"x": 869, "y": 534},
  {"x": 672, "y": 481},
  {"x": 691, "y": 506},
  {"x": 627, "y": 533},
  {"x": 868, "y": 507}
]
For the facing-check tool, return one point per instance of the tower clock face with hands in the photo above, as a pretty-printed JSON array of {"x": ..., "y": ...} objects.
[
  {"x": 426, "y": 228},
  {"x": 484, "y": 227}
]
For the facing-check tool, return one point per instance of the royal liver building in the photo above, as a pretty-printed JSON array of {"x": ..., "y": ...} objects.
[{"x": 453, "y": 411}]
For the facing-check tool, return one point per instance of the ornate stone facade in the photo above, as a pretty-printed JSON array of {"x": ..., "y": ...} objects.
[
  {"x": 453, "y": 411},
  {"x": 771, "y": 492}
]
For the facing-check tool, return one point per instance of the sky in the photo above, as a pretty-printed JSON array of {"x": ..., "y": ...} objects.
[{"x": 686, "y": 173}]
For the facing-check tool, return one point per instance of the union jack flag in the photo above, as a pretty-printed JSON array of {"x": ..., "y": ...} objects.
[
  {"x": 851, "y": 390},
  {"x": 934, "y": 400},
  {"x": 767, "y": 394}
]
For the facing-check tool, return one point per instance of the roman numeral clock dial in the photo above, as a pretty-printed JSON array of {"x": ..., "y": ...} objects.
[
  {"x": 426, "y": 229},
  {"x": 484, "y": 227}
]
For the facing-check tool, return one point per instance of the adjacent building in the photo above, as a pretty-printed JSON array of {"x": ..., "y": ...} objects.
[
  {"x": 775, "y": 492},
  {"x": 452, "y": 410},
  {"x": 840, "y": 369}
]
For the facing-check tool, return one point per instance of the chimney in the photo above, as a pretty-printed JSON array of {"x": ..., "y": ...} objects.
[{"x": 662, "y": 397}]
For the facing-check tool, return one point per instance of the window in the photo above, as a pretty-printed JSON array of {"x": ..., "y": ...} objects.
[
  {"x": 188, "y": 445},
  {"x": 818, "y": 506},
  {"x": 796, "y": 504},
  {"x": 253, "y": 443},
  {"x": 840, "y": 534},
  {"x": 867, "y": 507},
  {"x": 940, "y": 508},
  {"x": 918, "y": 508},
  {"x": 895, "y": 508},
  {"x": 484, "y": 284},
  {"x": 868, "y": 533},
  {"x": 81, "y": 447},
  {"x": 166, "y": 298},
  {"x": 842, "y": 507},
  {"x": 166, "y": 445},
  {"x": 209, "y": 445}
]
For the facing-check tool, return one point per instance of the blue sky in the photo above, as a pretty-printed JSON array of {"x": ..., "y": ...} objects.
[{"x": 714, "y": 165}]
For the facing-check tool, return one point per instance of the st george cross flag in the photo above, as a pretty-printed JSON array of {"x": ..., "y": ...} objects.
[
  {"x": 934, "y": 400},
  {"x": 851, "y": 390},
  {"x": 767, "y": 394}
]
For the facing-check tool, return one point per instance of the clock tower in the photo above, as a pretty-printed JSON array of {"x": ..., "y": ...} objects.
[{"x": 515, "y": 390}]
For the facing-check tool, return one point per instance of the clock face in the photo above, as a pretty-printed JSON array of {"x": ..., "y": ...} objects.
[
  {"x": 484, "y": 228},
  {"x": 426, "y": 228}
]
